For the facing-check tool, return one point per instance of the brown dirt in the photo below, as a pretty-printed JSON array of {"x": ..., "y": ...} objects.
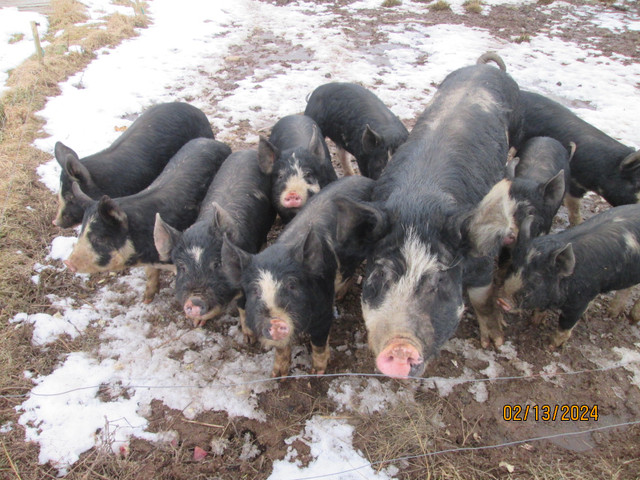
[{"x": 433, "y": 422}]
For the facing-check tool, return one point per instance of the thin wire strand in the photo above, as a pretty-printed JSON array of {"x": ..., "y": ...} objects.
[
  {"x": 472, "y": 449},
  {"x": 329, "y": 375}
]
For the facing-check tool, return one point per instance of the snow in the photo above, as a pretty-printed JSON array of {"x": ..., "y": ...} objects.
[{"x": 100, "y": 398}]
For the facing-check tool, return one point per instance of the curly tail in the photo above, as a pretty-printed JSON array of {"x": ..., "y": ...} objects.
[{"x": 492, "y": 57}]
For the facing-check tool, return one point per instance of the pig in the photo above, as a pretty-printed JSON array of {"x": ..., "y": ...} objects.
[
  {"x": 359, "y": 123},
  {"x": 541, "y": 175},
  {"x": 600, "y": 164},
  {"x": 566, "y": 270},
  {"x": 452, "y": 212},
  {"x": 118, "y": 232},
  {"x": 299, "y": 161},
  {"x": 289, "y": 287},
  {"x": 132, "y": 162},
  {"x": 238, "y": 205}
]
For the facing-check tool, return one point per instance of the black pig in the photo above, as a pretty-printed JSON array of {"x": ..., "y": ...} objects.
[
  {"x": 132, "y": 162},
  {"x": 238, "y": 205},
  {"x": 118, "y": 233},
  {"x": 299, "y": 161},
  {"x": 289, "y": 287},
  {"x": 567, "y": 270},
  {"x": 600, "y": 164},
  {"x": 359, "y": 123}
]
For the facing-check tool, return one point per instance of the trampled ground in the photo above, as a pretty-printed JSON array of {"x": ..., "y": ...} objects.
[{"x": 138, "y": 381}]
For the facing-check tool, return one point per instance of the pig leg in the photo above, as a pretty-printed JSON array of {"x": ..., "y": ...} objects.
[
  {"x": 151, "y": 288},
  {"x": 343, "y": 288},
  {"x": 489, "y": 318},
  {"x": 249, "y": 337},
  {"x": 568, "y": 319},
  {"x": 282, "y": 362},
  {"x": 343, "y": 156},
  {"x": 320, "y": 358},
  {"x": 573, "y": 205},
  {"x": 619, "y": 301}
]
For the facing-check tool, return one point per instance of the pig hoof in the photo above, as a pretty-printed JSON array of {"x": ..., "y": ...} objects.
[
  {"x": 147, "y": 300},
  {"x": 249, "y": 339},
  {"x": 317, "y": 372},
  {"x": 485, "y": 343}
]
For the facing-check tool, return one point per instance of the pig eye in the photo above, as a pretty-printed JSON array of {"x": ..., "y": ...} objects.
[
  {"x": 280, "y": 175},
  {"x": 307, "y": 176},
  {"x": 292, "y": 284},
  {"x": 530, "y": 210}
]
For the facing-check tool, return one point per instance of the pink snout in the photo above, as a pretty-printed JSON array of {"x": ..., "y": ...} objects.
[
  {"x": 509, "y": 238},
  {"x": 70, "y": 265},
  {"x": 279, "y": 329},
  {"x": 292, "y": 200},
  {"x": 194, "y": 307},
  {"x": 397, "y": 359}
]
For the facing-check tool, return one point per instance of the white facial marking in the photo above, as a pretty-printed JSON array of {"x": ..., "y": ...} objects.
[
  {"x": 296, "y": 183},
  {"x": 268, "y": 287},
  {"x": 494, "y": 217},
  {"x": 196, "y": 253}
]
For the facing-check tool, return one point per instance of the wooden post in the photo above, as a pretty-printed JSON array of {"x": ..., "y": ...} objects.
[{"x": 36, "y": 39}]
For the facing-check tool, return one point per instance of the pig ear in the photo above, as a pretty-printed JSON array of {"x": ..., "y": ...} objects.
[
  {"x": 223, "y": 222},
  {"x": 630, "y": 163},
  {"x": 571, "y": 149},
  {"x": 234, "y": 260},
  {"x": 553, "y": 190},
  {"x": 524, "y": 235},
  {"x": 359, "y": 220},
  {"x": 492, "y": 223},
  {"x": 82, "y": 198},
  {"x": 512, "y": 164},
  {"x": 165, "y": 238},
  {"x": 77, "y": 171},
  {"x": 63, "y": 153},
  {"x": 370, "y": 139},
  {"x": 315, "y": 144},
  {"x": 267, "y": 154},
  {"x": 111, "y": 212},
  {"x": 311, "y": 255},
  {"x": 564, "y": 260}
]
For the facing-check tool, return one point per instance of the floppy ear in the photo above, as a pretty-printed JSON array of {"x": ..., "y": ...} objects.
[
  {"x": 165, "y": 237},
  {"x": 223, "y": 222},
  {"x": 311, "y": 253},
  {"x": 524, "y": 235},
  {"x": 359, "y": 220},
  {"x": 370, "y": 139},
  {"x": 316, "y": 146},
  {"x": 82, "y": 198},
  {"x": 492, "y": 223},
  {"x": 630, "y": 163},
  {"x": 267, "y": 154},
  {"x": 234, "y": 260},
  {"x": 553, "y": 190},
  {"x": 111, "y": 212},
  {"x": 571, "y": 150},
  {"x": 510, "y": 172},
  {"x": 63, "y": 153},
  {"x": 564, "y": 260}
]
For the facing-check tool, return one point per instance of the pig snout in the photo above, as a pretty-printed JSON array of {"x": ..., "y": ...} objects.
[
  {"x": 70, "y": 266},
  {"x": 509, "y": 238},
  {"x": 400, "y": 359},
  {"x": 194, "y": 307},
  {"x": 279, "y": 330},
  {"x": 292, "y": 200}
]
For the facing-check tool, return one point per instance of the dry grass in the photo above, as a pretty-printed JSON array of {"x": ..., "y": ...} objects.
[
  {"x": 391, "y": 3},
  {"x": 26, "y": 211},
  {"x": 525, "y": 37},
  {"x": 440, "y": 6},
  {"x": 472, "y": 6}
]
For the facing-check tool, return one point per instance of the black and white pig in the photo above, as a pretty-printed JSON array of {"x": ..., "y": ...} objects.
[
  {"x": 118, "y": 232},
  {"x": 446, "y": 194},
  {"x": 565, "y": 271},
  {"x": 299, "y": 160},
  {"x": 289, "y": 287},
  {"x": 359, "y": 123},
  {"x": 238, "y": 205},
  {"x": 601, "y": 163},
  {"x": 132, "y": 162},
  {"x": 540, "y": 175}
]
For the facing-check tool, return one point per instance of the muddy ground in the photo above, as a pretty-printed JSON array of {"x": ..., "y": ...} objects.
[{"x": 469, "y": 415}]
